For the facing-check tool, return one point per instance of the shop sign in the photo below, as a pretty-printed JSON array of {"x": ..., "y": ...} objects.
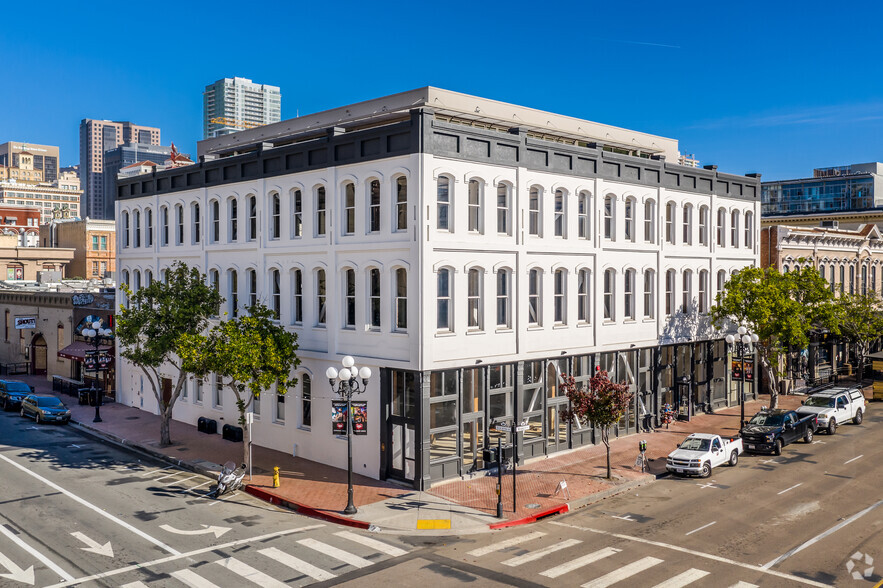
[
  {"x": 360, "y": 417},
  {"x": 25, "y": 322},
  {"x": 82, "y": 299}
]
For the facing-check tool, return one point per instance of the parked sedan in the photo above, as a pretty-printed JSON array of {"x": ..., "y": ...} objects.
[
  {"x": 12, "y": 392},
  {"x": 45, "y": 408}
]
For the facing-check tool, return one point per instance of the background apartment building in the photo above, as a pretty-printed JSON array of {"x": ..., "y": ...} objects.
[
  {"x": 123, "y": 156},
  {"x": 236, "y": 104},
  {"x": 93, "y": 241},
  {"x": 96, "y": 138},
  {"x": 44, "y": 157}
]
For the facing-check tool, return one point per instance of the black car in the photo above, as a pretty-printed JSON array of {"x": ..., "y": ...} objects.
[
  {"x": 12, "y": 392},
  {"x": 770, "y": 430},
  {"x": 45, "y": 408}
]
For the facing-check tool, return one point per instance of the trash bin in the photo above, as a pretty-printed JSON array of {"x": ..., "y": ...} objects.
[{"x": 84, "y": 396}]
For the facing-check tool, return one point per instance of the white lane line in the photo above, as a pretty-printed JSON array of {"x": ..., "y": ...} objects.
[
  {"x": 296, "y": 564},
  {"x": 89, "y": 505},
  {"x": 717, "y": 558},
  {"x": 700, "y": 528},
  {"x": 579, "y": 562},
  {"x": 189, "y": 554},
  {"x": 500, "y": 545},
  {"x": 622, "y": 573},
  {"x": 331, "y": 551},
  {"x": 821, "y": 536},
  {"x": 46, "y": 561},
  {"x": 741, "y": 584},
  {"x": 193, "y": 579},
  {"x": 683, "y": 579},
  {"x": 147, "y": 473},
  {"x": 249, "y": 573},
  {"x": 540, "y": 554},
  {"x": 166, "y": 476},
  {"x": 373, "y": 543},
  {"x": 791, "y": 488},
  {"x": 135, "y": 585},
  {"x": 173, "y": 482},
  {"x": 853, "y": 459}
]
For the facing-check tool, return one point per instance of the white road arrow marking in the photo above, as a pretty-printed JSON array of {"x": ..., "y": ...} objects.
[
  {"x": 74, "y": 445},
  {"x": 46, "y": 561},
  {"x": 16, "y": 573},
  {"x": 94, "y": 546},
  {"x": 218, "y": 531}
]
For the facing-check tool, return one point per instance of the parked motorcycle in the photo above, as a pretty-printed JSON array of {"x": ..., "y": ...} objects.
[{"x": 230, "y": 478}]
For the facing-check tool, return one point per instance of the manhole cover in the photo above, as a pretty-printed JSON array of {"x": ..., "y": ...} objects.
[
  {"x": 532, "y": 505},
  {"x": 133, "y": 418}
]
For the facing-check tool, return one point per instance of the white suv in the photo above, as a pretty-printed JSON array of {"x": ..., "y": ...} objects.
[{"x": 835, "y": 406}]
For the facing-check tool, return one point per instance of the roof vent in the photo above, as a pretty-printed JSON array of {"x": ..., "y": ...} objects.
[{"x": 829, "y": 224}]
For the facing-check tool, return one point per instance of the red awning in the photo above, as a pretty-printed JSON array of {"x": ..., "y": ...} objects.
[{"x": 77, "y": 350}]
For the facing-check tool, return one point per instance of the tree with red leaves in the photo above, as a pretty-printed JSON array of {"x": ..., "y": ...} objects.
[{"x": 603, "y": 404}]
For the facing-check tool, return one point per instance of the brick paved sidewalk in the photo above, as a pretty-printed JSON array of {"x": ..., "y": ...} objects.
[{"x": 466, "y": 503}]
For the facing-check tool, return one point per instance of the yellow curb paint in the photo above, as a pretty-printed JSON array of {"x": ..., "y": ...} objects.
[{"x": 434, "y": 524}]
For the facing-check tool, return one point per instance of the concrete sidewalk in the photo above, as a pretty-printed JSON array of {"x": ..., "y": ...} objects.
[{"x": 459, "y": 507}]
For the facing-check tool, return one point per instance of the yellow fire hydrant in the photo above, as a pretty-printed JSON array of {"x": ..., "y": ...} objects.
[{"x": 276, "y": 477}]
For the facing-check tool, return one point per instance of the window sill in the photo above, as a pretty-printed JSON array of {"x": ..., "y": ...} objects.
[
  {"x": 319, "y": 328},
  {"x": 504, "y": 330},
  {"x": 649, "y": 319},
  {"x": 583, "y": 325},
  {"x": 278, "y": 422},
  {"x": 398, "y": 333},
  {"x": 535, "y": 328},
  {"x": 445, "y": 334},
  {"x": 306, "y": 428},
  {"x": 559, "y": 326},
  {"x": 475, "y": 332},
  {"x": 629, "y": 321},
  {"x": 608, "y": 322}
]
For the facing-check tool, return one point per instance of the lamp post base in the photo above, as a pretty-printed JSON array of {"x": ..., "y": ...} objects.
[{"x": 350, "y": 509}]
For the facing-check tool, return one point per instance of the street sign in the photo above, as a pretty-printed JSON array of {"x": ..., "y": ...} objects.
[
  {"x": 502, "y": 428},
  {"x": 522, "y": 428}
]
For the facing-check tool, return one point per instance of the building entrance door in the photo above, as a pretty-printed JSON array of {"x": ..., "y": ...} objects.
[
  {"x": 399, "y": 442},
  {"x": 38, "y": 355},
  {"x": 556, "y": 428}
]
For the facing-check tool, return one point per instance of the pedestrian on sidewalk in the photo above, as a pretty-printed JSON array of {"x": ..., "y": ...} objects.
[{"x": 646, "y": 416}]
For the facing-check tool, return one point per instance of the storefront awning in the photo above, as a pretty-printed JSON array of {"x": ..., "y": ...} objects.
[{"x": 77, "y": 350}]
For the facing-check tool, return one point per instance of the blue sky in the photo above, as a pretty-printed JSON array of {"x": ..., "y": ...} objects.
[{"x": 750, "y": 86}]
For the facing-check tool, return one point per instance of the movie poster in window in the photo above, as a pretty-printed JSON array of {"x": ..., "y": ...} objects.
[
  {"x": 338, "y": 416},
  {"x": 360, "y": 417}
]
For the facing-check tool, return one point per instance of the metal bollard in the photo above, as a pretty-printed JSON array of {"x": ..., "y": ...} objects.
[{"x": 276, "y": 477}]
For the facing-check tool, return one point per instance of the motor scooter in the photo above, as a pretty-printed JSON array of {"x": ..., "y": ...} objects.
[{"x": 229, "y": 478}]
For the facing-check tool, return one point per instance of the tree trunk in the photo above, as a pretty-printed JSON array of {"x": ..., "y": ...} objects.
[
  {"x": 165, "y": 438},
  {"x": 246, "y": 437},
  {"x": 605, "y": 438}
]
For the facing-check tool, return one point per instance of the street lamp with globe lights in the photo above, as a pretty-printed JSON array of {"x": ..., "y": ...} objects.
[
  {"x": 744, "y": 339},
  {"x": 94, "y": 335},
  {"x": 347, "y": 381}
]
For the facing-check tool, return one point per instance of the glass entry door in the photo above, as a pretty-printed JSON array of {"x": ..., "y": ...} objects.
[{"x": 400, "y": 441}]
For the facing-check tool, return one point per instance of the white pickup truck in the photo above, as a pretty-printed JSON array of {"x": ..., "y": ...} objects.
[
  {"x": 699, "y": 453},
  {"x": 835, "y": 406}
]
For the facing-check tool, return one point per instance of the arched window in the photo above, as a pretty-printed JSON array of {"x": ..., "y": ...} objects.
[
  {"x": 873, "y": 285},
  {"x": 444, "y": 320},
  {"x": 503, "y": 299},
  {"x": 534, "y": 298},
  {"x": 851, "y": 278},
  {"x": 297, "y": 214},
  {"x": 164, "y": 223},
  {"x": 214, "y": 282},
  {"x": 503, "y": 222},
  {"x": 320, "y": 298},
  {"x": 136, "y": 220},
  {"x": 475, "y": 206},
  {"x": 125, "y": 281},
  {"x": 443, "y": 204},
  {"x": 275, "y": 216},
  {"x": 148, "y": 230},
  {"x": 374, "y": 206},
  {"x": 252, "y": 277},
  {"x": 703, "y": 225},
  {"x": 252, "y": 205},
  {"x": 864, "y": 282},
  {"x": 126, "y": 229},
  {"x": 687, "y": 290},
  {"x": 649, "y": 298},
  {"x": 703, "y": 291},
  {"x": 297, "y": 310},
  {"x": 749, "y": 229},
  {"x": 349, "y": 208},
  {"x": 148, "y": 278},
  {"x": 179, "y": 222},
  {"x": 306, "y": 418},
  {"x": 721, "y": 280},
  {"x": 734, "y": 228},
  {"x": 670, "y": 222},
  {"x": 721, "y": 227},
  {"x": 401, "y": 203},
  {"x": 374, "y": 310},
  {"x": 785, "y": 269},
  {"x": 535, "y": 217},
  {"x": 401, "y": 300},
  {"x": 609, "y": 290},
  {"x": 215, "y": 208},
  {"x": 688, "y": 225},
  {"x": 584, "y": 308},
  {"x": 136, "y": 283},
  {"x": 584, "y": 206},
  {"x": 473, "y": 300},
  {"x": 560, "y": 218},
  {"x": 320, "y": 211},
  {"x": 609, "y": 211},
  {"x": 349, "y": 299},
  {"x": 275, "y": 293},
  {"x": 560, "y": 296},
  {"x": 630, "y": 204},
  {"x": 197, "y": 222},
  {"x": 649, "y": 221},
  {"x": 628, "y": 306},
  {"x": 842, "y": 279},
  {"x": 832, "y": 277},
  {"x": 233, "y": 214}
]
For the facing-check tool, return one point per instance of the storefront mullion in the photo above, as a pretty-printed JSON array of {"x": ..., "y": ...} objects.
[
  {"x": 444, "y": 445},
  {"x": 472, "y": 398},
  {"x": 532, "y": 408},
  {"x": 582, "y": 370}
]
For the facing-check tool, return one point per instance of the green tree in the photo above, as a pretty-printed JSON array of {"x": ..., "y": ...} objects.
[
  {"x": 149, "y": 329},
  {"x": 780, "y": 308},
  {"x": 249, "y": 353},
  {"x": 603, "y": 403},
  {"x": 861, "y": 322}
]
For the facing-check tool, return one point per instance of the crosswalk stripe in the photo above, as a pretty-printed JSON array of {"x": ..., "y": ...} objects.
[
  {"x": 373, "y": 543},
  {"x": 249, "y": 573},
  {"x": 331, "y": 551},
  {"x": 297, "y": 564},
  {"x": 500, "y": 545},
  {"x": 622, "y": 573},
  {"x": 579, "y": 562},
  {"x": 193, "y": 579},
  {"x": 741, "y": 584},
  {"x": 535, "y": 555},
  {"x": 134, "y": 585},
  {"x": 683, "y": 579}
]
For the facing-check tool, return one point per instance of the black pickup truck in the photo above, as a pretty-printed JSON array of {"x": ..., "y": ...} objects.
[{"x": 771, "y": 430}]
